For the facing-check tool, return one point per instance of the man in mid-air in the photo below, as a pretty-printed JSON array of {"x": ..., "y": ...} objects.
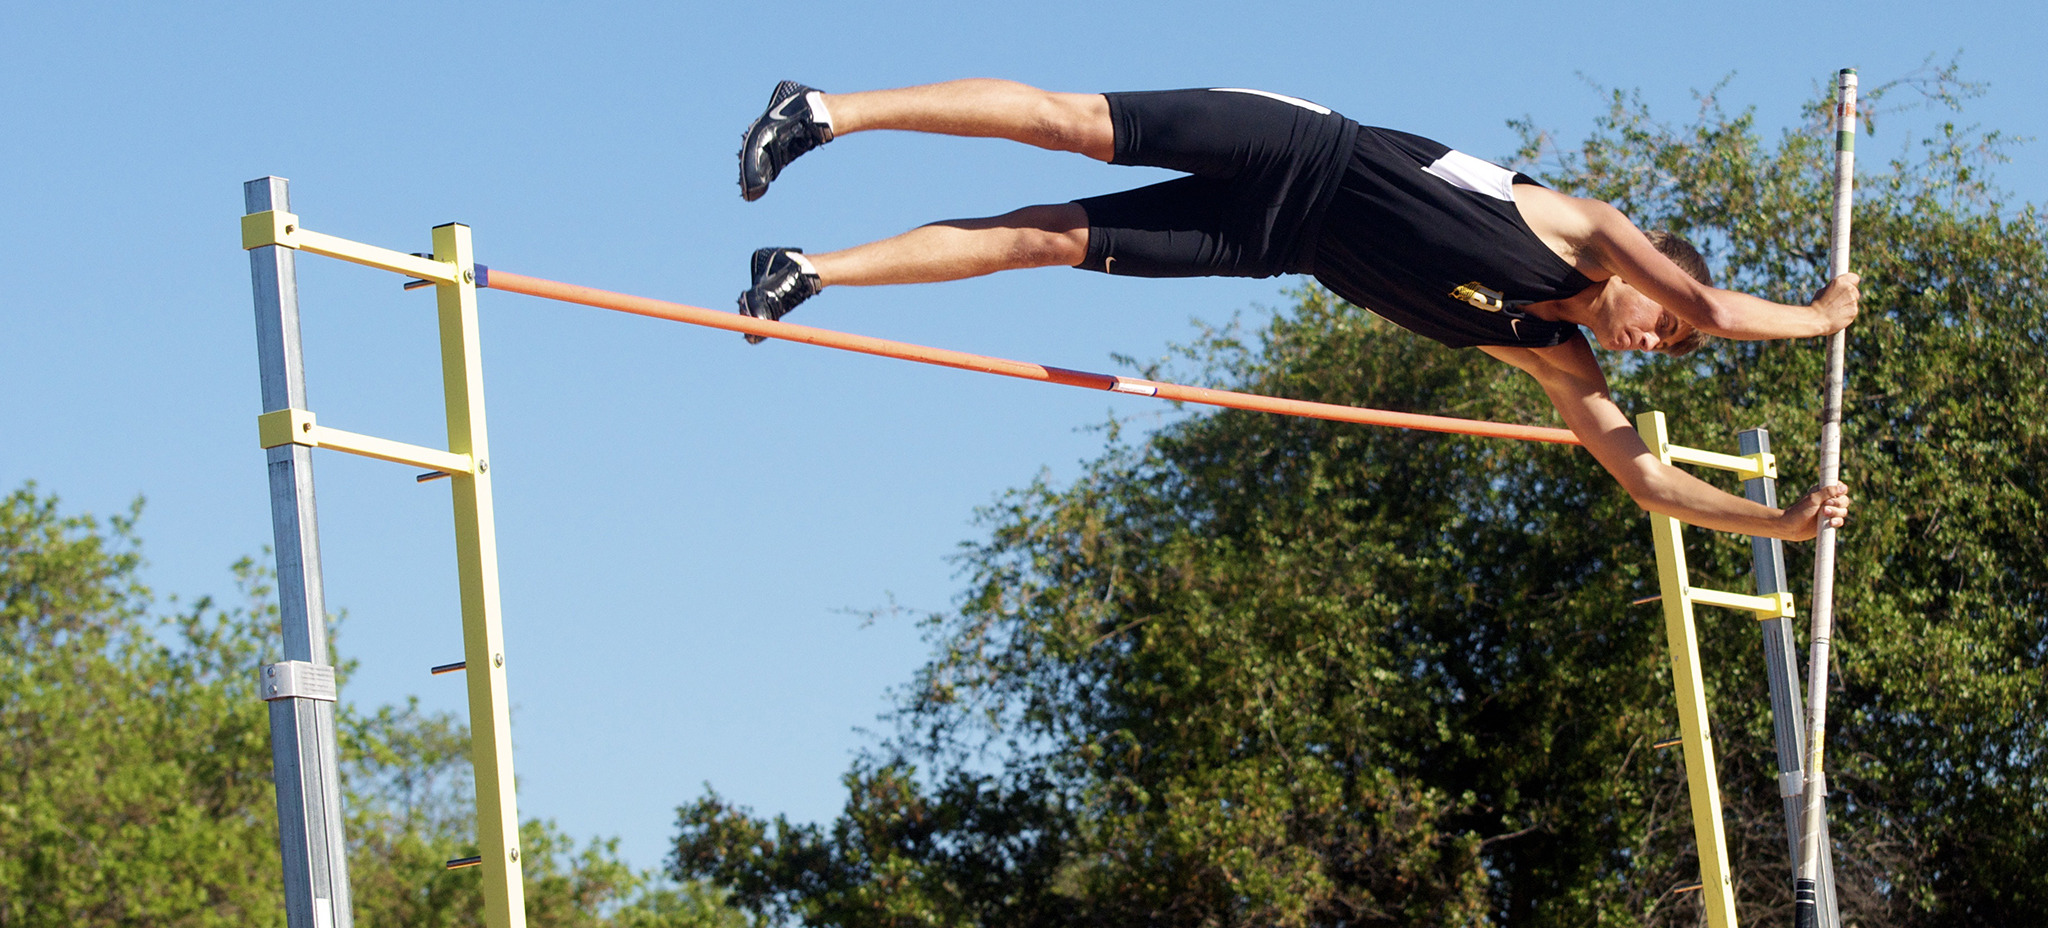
[{"x": 1444, "y": 244}]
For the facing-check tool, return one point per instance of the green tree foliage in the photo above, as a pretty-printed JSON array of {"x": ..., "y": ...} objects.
[
  {"x": 117, "y": 773},
  {"x": 135, "y": 767},
  {"x": 1261, "y": 670}
]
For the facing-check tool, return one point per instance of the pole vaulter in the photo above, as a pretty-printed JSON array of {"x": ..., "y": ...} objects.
[{"x": 1629, "y": 289}]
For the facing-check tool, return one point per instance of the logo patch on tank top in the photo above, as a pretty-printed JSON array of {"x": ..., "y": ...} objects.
[{"x": 1490, "y": 300}]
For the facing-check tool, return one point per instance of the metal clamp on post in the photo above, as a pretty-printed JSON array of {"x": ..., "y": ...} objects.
[
  {"x": 287, "y": 427},
  {"x": 270, "y": 227},
  {"x": 297, "y": 680}
]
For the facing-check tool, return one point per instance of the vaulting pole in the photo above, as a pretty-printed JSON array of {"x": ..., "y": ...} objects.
[{"x": 1805, "y": 888}]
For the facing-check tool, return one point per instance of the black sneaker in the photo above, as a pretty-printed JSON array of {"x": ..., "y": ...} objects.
[
  {"x": 781, "y": 281},
  {"x": 788, "y": 129}
]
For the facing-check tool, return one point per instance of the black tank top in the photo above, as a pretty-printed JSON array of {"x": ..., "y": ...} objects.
[{"x": 1430, "y": 238}]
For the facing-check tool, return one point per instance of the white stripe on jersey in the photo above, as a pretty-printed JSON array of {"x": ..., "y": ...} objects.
[
  {"x": 1468, "y": 173},
  {"x": 1297, "y": 101}
]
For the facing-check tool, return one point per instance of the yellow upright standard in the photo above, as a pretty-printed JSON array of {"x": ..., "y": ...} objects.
[
  {"x": 1716, "y": 886},
  {"x": 476, "y": 555},
  {"x": 452, "y": 272}
]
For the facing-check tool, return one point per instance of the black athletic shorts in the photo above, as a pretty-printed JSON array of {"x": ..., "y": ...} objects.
[{"x": 1264, "y": 168}]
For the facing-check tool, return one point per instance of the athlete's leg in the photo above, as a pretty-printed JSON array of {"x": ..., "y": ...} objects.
[
  {"x": 799, "y": 119},
  {"x": 982, "y": 108},
  {"x": 1054, "y": 235},
  {"x": 1242, "y": 147},
  {"x": 1036, "y": 236}
]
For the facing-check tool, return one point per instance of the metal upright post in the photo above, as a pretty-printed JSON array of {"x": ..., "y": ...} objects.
[
  {"x": 300, "y": 689},
  {"x": 476, "y": 552},
  {"x": 1781, "y": 668}
]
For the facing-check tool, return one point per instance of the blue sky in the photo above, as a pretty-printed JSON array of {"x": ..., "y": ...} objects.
[{"x": 690, "y": 529}]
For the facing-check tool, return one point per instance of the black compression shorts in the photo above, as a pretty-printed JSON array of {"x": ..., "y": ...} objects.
[{"x": 1264, "y": 168}]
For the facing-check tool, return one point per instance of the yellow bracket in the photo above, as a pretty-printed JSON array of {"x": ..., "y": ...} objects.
[
  {"x": 277, "y": 227},
  {"x": 1766, "y": 608},
  {"x": 297, "y": 427},
  {"x": 1746, "y": 466}
]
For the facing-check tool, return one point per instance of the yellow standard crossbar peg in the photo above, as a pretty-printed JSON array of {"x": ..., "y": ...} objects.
[{"x": 270, "y": 227}]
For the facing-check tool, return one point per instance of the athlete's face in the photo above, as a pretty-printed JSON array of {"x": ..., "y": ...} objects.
[{"x": 1627, "y": 320}]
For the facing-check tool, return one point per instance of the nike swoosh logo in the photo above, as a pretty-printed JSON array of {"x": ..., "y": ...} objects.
[
  {"x": 779, "y": 111},
  {"x": 1106, "y": 262}
]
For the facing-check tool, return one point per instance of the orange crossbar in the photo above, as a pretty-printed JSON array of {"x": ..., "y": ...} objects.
[{"x": 660, "y": 309}]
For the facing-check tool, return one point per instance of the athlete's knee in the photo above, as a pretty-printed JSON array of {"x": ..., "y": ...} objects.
[
  {"x": 1048, "y": 235},
  {"x": 1076, "y": 122}
]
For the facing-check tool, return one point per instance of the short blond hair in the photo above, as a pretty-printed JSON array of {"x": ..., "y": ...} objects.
[{"x": 1682, "y": 253}]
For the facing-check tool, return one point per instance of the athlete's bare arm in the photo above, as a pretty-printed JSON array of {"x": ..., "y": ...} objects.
[
  {"x": 1573, "y": 380},
  {"x": 1602, "y": 242}
]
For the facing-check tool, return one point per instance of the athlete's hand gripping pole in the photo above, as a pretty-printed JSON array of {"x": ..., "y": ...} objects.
[{"x": 1806, "y": 894}]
